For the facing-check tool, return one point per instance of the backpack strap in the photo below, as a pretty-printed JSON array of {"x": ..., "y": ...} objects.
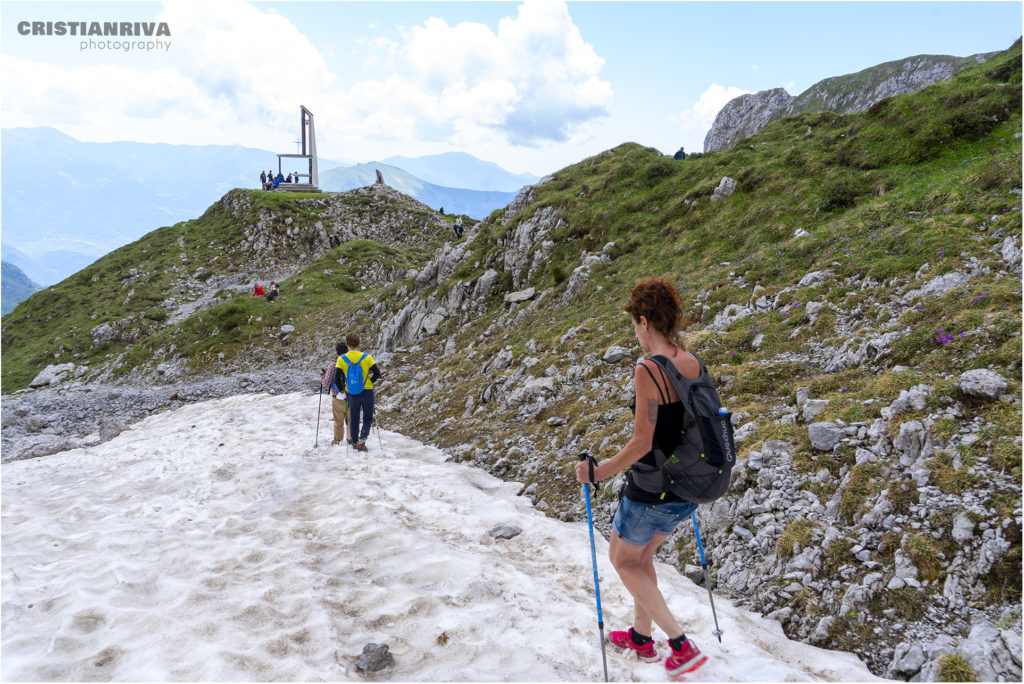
[
  {"x": 678, "y": 379},
  {"x": 703, "y": 368},
  {"x": 664, "y": 399}
]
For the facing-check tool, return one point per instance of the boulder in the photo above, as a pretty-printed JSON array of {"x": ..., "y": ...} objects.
[
  {"x": 375, "y": 657},
  {"x": 505, "y": 531},
  {"x": 484, "y": 284},
  {"x": 815, "y": 277},
  {"x": 913, "y": 442},
  {"x": 726, "y": 187},
  {"x": 939, "y": 285},
  {"x": 614, "y": 354},
  {"x": 982, "y": 383},
  {"x": 963, "y": 528},
  {"x": 1010, "y": 250},
  {"x": 520, "y": 296},
  {"x": 812, "y": 407},
  {"x": 987, "y": 654},
  {"x": 825, "y": 436},
  {"x": 53, "y": 375},
  {"x": 431, "y": 322},
  {"x": 102, "y": 334}
]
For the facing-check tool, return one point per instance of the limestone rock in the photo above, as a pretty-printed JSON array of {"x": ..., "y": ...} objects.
[
  {"x": 505, "y": 531},
  {"x": 982, "y": 383},
  {"x": 987, "y": 654},
  {"x": 939, "y": 285},
  {"x": 1010, "y": 250},
  {"x": 53, "y": 375},
  {"x": 102, "y": 334},
  {"x": 726, "y": 187},
  {"x": 520, "y": 296},
  {"x": 812, "y": 407},
  {"x": 743, "y": 116},
  {"x": 614, "y": 354},
  {"x": 825, "y": 436}
]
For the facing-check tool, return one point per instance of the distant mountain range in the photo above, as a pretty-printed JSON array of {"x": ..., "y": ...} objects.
[
  {"x": 66, "y": 202},
  {"x": 474, "y": 203},
  {"x": 461, "y": 170},
  {"x": 15, "y": 288}
]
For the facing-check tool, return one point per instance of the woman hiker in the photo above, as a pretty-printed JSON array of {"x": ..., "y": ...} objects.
[
  {"x": 339, "y": 407},
  {"x": 644, "y": 520}
]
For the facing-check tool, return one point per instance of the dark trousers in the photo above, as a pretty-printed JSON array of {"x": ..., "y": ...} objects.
[{"x": 360, "y": 404}]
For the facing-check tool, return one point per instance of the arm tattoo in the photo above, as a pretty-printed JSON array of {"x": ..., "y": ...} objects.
[{"x": 652, "y": 411}]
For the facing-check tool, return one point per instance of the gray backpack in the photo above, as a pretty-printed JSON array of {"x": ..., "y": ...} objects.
[{"x": 699, "y": 467}]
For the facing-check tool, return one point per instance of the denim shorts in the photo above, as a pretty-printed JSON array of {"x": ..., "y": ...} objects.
[{"x": 637, "y": 523}]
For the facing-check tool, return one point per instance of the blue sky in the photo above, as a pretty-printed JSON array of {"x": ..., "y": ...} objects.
[{"x": 532, "y": 85}]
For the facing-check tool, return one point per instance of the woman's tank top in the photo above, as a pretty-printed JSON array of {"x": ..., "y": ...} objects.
[{"x": 666, "y": 436}]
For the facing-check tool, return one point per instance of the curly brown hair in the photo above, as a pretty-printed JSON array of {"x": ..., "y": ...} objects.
[{"x": 657, "y": 300}]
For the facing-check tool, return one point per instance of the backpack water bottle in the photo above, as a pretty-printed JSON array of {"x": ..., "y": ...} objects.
[{"x": 354, "y": 376}]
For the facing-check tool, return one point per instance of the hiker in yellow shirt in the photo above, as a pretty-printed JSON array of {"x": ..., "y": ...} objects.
[{"x": 356, "y": 373}]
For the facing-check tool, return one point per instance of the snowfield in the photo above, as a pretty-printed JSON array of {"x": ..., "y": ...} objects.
[{"x": 215, "y": 543}]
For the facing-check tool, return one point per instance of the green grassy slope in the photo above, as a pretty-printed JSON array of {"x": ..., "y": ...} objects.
[
  {"x": 930, "y": 179},
  {"x": 128, "y": 287}
]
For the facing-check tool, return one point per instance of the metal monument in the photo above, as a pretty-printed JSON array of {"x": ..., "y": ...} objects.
[{"x": 307, "y": 152}]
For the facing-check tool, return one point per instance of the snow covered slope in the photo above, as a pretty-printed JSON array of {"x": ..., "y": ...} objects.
[{"x": 216, "y": 543}]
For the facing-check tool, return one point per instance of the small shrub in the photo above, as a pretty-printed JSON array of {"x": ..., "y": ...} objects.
[
  {"x": 157, "y": 313},
  {"x": 864, "y": 482},
  {"x": 837, "y": 554},
  {"x": 903, "y": 494},
  {"x": 925, "y": 556},
  {"x": 839, "y": 193},
  {"x": 954, "y": 668},
  {"x": 948, "y": 479},
  {"x": 800, "y": 531},
  {"x": 658, "y": 169},
  {"x": 910, "y": 603}
]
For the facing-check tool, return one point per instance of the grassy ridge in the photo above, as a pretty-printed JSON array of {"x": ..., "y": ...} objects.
[
  {"x": 924, "y": 181},
  {"x": 127, "y": 287}
]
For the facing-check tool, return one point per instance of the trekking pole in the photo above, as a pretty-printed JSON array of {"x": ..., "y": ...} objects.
[
  {"x": 593, "y": 558},
  {"x": 319, "y": 402},
  {"x": 707, "y": 580},
  {"x": 380, "y": 441}
]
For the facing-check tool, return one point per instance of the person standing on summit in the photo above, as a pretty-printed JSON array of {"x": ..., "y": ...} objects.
[{"x": 356, "y": 372}]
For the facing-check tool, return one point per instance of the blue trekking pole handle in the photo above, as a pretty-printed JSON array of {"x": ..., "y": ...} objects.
[
  {"x": 593, "y": 559},
  {"x": 707, "y": 579},
  {"x": 700, "y": 547}
]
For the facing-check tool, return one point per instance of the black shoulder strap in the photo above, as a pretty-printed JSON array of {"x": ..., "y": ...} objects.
[
  {"x": 678, "y": 380},
  {"x": 664, "y": 399}
]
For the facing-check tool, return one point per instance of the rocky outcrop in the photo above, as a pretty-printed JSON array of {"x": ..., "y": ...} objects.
[{"x": 745, "y": 115}]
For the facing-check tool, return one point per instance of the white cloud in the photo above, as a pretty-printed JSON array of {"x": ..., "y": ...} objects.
[
  {"x": 236, "y": 73},
  {"x": 754, "y": 67},
  {"x": 233, "y": 74},
  {"x": 702, "y": 114},
  {"x": 534, "y": 81}
]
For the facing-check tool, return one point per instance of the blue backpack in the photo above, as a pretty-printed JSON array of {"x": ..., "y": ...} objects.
[{"x": 354, "y": 376}]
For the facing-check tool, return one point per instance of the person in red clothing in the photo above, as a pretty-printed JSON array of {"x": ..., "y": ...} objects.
[{"x": 258, "y": 291}]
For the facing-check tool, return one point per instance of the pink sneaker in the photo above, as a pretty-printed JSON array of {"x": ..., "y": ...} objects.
[
  {"x": 686, "y": 659},
  {"x": 624, "y": 640}
]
